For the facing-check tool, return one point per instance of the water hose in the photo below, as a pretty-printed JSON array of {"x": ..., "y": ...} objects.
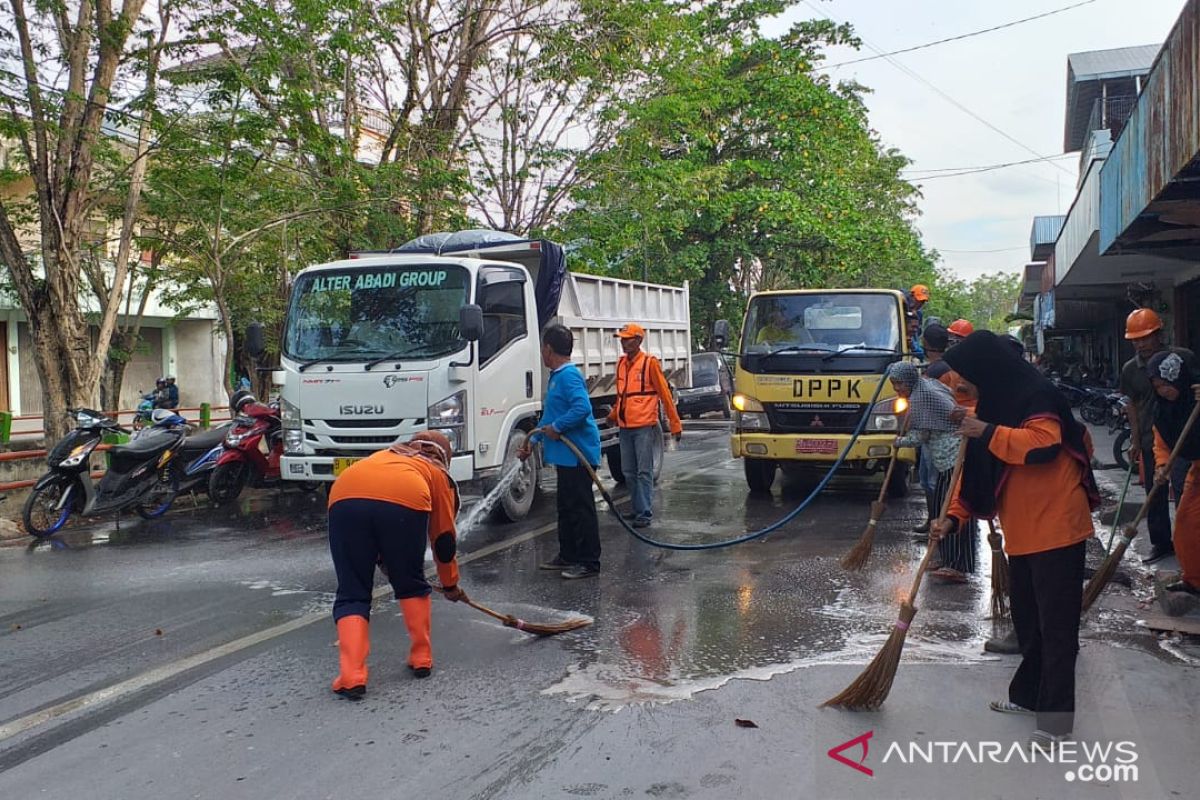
[{"x": 751, "y": 535}]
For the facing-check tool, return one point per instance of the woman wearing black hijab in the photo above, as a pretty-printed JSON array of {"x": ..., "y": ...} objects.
[
  {"x": 1178, "y": 391},
  {"x": 1028, "y": 462}
]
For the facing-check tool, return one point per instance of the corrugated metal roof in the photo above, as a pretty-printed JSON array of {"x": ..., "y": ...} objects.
[
  {"x": 1122, "y": 62},
  {"x": 1045, "y": 231}
]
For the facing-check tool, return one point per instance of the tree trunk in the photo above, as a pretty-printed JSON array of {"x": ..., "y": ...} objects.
[{"x": 227, "y": 327}]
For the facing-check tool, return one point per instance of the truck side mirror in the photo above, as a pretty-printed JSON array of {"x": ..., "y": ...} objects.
[
  {"x": 470, "y": 322},
  {"x": 256, "y": 340},
  {"x": 720, "y": 334}
]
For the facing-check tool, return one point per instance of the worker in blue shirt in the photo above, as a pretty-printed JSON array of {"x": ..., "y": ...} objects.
[{"x": 567, "y": 411}]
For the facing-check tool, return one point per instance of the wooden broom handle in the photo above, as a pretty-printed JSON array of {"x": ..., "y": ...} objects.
[
  {"x": 1187, "y": 429},
  {"x": 887, "y": 476},
  {"x": 955, "y": 475}
]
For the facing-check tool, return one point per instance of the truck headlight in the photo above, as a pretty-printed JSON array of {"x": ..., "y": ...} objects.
[
  {"x": 293, "y": 441},
  {"x": 751, "y": 421},
  {"x": 289, "y": 414},
  {"x": 885, "y": 415},
  {"x": 743, "y": 402},
  {"x": 449, "y": 417}
]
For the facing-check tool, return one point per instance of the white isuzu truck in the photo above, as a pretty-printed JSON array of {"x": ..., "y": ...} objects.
[{"x": 443, "y": 333}]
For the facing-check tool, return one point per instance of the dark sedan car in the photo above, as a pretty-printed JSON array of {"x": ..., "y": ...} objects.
[{"x": 711, "y": 389}]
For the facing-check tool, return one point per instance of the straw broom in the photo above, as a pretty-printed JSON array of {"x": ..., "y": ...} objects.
[
  {"x": 856, "y": 559},
  {"x": 871, "y": 688},
  {"x": 1109, "y": 568},
  {"x": 536, "y": 628},
  {"x": 1000, "y": 579}
]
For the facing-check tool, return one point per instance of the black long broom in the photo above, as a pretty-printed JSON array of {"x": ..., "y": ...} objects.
[
  {"x": 1000, "y": 577},
  {"x": 856, "y": 559},
  {"x": 1109, "y": 568},
  {"x": 871, "y": 688}
]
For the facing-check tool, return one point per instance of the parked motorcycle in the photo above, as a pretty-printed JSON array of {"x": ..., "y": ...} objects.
[
  {"x": 1119, "y": 424},
  {"x": 142, "y": 475},
  {"x": 252, "y": 449},
  {"x": 199, "y": 454}
]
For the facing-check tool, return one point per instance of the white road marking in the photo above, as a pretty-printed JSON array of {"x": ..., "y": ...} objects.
[{"x": 167, "y": 671}]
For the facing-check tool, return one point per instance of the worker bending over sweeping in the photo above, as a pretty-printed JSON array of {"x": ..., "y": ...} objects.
[
  {"x": 384, "y": 509},
  {"x": 1028, "y": 462}
]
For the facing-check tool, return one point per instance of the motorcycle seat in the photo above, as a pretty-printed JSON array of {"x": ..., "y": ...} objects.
[
  {"x": 150, "y": 442},
  {"x": 204, "y": 441}
]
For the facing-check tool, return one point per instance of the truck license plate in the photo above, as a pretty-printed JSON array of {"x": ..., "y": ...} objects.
[
  {"x": 340, "y": 464},
  {"x": 817, "y": 446}
]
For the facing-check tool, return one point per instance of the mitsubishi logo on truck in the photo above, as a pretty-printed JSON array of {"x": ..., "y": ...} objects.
[{"x": 352, "y": 410}]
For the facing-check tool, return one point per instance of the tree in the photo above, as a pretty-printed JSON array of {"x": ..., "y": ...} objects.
[
  {"x": 69, "y": 60},
  {"x": 741, "y": 168}
]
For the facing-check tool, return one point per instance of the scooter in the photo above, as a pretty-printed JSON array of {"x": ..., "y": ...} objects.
[
  {"x": 199, "y": 455},
  {"x": 244, "y": 461},
  {"x": 142, "y": 475}
]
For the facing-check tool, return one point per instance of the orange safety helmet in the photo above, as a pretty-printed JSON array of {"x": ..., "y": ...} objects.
[
  {"x": 961, "y": 328},
  {"x": 1142, "y": 322},
  {"x": 920, "y": 293}
]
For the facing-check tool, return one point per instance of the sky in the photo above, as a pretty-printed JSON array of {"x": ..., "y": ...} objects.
[{"x": 1014, "y": 79}]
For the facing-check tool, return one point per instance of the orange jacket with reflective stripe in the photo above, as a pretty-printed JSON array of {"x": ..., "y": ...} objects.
[{"x": 640, "y": 386}]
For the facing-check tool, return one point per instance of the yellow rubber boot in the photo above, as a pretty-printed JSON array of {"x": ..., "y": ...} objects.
[
  {"x": 417, "y": 613},
  {"x": 354, "y": 642}
]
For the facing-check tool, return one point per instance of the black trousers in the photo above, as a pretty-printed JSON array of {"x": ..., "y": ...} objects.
[
  {"x": 1158, "y": 516},
  {"x": 578, "y": 526},
  {"x": 1046, "y": 599},
  {"x": 956, "y": 551},
  {"x": 364, "y": 531}
]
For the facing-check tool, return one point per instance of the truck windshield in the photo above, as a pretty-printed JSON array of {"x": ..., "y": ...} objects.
[
  {"x": 372, "y": 311},
  {"x": 821, "y": 323}
]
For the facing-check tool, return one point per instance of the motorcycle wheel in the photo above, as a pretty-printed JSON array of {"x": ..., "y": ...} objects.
[
  {"x": 160, "y": 498},
  {"x": 227, "y": 481},
  {"x": 1095, "y": 411},
  {"x": 1120, "y": 449},
  {"x": 41, "y": 514}
]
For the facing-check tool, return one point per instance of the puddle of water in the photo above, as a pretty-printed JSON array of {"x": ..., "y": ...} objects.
[{"x": 476, "y": 512}]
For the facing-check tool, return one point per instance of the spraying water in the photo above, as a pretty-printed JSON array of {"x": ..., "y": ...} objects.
[{"x": 476, "y": 512}]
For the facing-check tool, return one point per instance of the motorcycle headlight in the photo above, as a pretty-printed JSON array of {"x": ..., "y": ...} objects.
[
  {"x": 79, "y": 453},
  {"x": 289, "y": 414},
  {"x": 234, "y": 439}
]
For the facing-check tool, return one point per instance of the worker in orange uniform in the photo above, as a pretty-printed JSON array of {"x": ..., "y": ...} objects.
[
  {"x": 641, "y": 386},
  {"x": 1028, "y": 462},
  {"x": 1178, "y": 390},
  {"x": 383, "y": 510}
]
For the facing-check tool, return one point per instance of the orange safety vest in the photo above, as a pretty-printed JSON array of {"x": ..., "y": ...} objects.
[{"x": 637, "y": 396}]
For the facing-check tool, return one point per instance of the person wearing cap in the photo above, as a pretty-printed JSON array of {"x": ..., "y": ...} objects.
[
  {"x": 386, "y": 509},
  {"x": 641, "y": 387},
  {"x": 1144, "y": 328},
  {"x": 567, "y": 411}
]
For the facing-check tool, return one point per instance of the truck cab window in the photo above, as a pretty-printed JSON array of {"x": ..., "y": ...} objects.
[{"x": 501, "y": 296}]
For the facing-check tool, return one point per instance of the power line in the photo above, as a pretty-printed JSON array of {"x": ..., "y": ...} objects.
[
  {"x": 945, "y": 96},
  {"x": 1000, "y": 250},
  {"x": 959, "y": 37},
  {"x": 980, "y": 167}
]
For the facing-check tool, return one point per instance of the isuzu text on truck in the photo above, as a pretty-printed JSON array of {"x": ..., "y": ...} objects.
[
  {"x": 443, "y": 333},
  {"x": 807, "y": 367}
]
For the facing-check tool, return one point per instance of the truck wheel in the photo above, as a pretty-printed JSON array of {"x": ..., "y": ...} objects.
[
  {"x": 515, "y": 503},
  {"x": 613, "y": 456},
  {"x": 760, "y": 474},
  {"x": 898, "y": 484}
]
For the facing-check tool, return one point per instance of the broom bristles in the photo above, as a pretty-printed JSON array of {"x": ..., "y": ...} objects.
[
  {"x": 871, "y": 688},
  {"x": 1000, "y": 577},
  {"x": 1104, "y": 574},
  {"x": 547, "y": 629},
  {"x": 856, "y": 559}
]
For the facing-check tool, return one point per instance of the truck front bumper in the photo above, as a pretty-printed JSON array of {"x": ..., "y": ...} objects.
[
  {"x": 792, "y": 447},
  {"x": 320, "y": 468}
]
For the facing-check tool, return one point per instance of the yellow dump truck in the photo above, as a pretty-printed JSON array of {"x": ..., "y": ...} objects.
[{"x": 808, "y": 364}]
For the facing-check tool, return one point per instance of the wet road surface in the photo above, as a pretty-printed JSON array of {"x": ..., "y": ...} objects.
[{"x": 191, "y": 657}]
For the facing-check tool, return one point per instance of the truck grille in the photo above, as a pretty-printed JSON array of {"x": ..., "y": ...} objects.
[
  {"x": 362, "y": 439},
  {"x": 360, "y": 423},
  {"x": 814, "y": 417}
]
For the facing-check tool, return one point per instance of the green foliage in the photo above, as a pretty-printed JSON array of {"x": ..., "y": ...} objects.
[{"x": 738, "y": 169}]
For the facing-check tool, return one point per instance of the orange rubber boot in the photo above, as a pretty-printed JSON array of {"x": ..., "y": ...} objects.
[
  {"x": 416, "y": 612},
  {"x": 354, "y": 642}
]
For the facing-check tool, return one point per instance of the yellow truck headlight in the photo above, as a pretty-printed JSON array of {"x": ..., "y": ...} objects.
[{"x": 744, "y": 402}]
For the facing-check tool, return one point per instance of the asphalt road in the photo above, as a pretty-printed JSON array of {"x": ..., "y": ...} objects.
[{"x": 191, "y": 657}]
